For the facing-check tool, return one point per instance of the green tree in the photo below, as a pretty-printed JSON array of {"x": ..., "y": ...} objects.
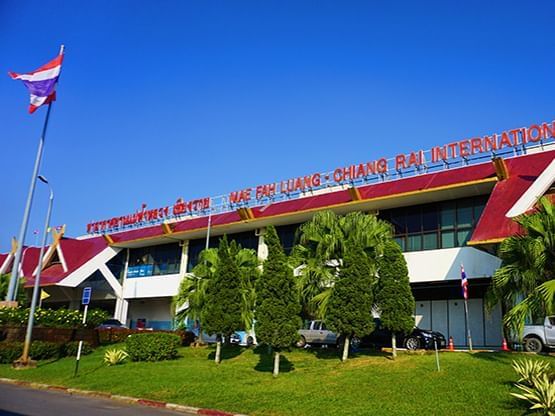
[
  {"x": 350, "y": 304},
  {"x": 221, "y": 314},
  {"x": 525, "y": 282},
  {"x": 4, "y": 283},
  {"x": 322, "y": 245},
  {"x": 394, "y": 297},
  {"x": 190, "y": 299},
  {"x": 278, "y": 307}
]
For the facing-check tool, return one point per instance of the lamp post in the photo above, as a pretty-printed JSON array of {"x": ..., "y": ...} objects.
[{"x": 24, "y": 361}]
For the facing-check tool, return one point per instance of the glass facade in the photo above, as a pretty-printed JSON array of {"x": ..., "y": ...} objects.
[
  {"x": 288, "y": 236},
  {"x": 154, "y": 260},
  {"x": 117, "y": 265},
  {"x": 246, "y": 240},
  {"x": 433, "y": 226}
]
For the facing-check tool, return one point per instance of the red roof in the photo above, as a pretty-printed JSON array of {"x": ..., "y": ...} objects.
[
  {"x": 76, "y": 253},
  {"x": 523, "y": 171}
]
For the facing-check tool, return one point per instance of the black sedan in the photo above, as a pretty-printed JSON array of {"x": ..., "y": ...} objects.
[{"x": 417, "y": 339}]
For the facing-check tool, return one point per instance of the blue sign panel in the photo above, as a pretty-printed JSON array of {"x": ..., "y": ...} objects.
[
  {"x": 142, "y": 270},
  {"x": 86, "y": 299}
]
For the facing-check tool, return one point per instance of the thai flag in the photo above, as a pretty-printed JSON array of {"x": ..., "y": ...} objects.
[
  {"x": 41, "y": 83},
  {"x": 464, "y": 283}
]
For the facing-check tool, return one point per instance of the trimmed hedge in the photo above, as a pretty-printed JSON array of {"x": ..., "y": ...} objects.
[
  {"x": 155, "y": 346},
  {"x": 41, "y": 350},
  {"x": 52, "y": 318}
]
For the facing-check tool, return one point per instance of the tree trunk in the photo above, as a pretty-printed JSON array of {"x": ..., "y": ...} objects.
[
  {"x": 217, "y": 359},
  {"x": 345, "y": 349},
  {"x": 276, "y": 364},
  {"x": 394, "y": 345}
]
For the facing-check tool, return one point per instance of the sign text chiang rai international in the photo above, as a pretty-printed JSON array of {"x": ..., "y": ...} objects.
[{"x": 516, "y": 138}]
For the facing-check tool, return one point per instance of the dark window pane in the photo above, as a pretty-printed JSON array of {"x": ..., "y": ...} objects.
[
  {"x": 429, "y": 218},
  {"x": 414, "y": 220},
  {"x": 399, "y": 221},
  {"x": 430, "y": 241},
  {"x": 478, "y": 209},
  {"x": 447, "y": 239},
  {"x": 287, "y": 236},
  {"x": 155, "y": 260}
]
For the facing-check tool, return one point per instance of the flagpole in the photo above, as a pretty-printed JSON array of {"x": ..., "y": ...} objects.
[
  {"x": 467, "y": 325},
  {"x": 23, "y": 230},
  {"x": 25, "y": 223}
]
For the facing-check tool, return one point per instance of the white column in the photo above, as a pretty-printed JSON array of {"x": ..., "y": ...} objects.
[
  {"x": 184, "y": 258},
  {"x": 122, "y": 307},
  {"x": 262, "y": 251}
]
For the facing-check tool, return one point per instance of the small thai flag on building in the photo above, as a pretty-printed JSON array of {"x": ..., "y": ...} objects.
[
  {"x": 41, "y": 82},
  {"x": 464, "y": 283}
]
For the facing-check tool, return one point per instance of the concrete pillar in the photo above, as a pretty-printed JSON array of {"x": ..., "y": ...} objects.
[
  {"x": 262, "y": 251},
  {"x": 122, "y": 307},
  {"x": 184, "y": 258}
]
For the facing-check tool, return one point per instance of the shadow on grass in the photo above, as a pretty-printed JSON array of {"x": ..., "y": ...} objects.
[
  {"x": 228, "y": 352},
  {"x": 266, "y": 361}
]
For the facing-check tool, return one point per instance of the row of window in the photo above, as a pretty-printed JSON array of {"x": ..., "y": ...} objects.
[{"x": 424, "y": 227}]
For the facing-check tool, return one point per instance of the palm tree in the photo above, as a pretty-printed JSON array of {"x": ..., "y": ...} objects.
[
  {"x": 190, "y": 299},
  {"x": 525, "y": 282},
  {"x": 323, "y": 242}
]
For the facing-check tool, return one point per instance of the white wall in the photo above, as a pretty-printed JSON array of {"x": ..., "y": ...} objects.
[
  {"x": 149, "y": 309},
  {"x": 152, "y": 286},
  {"x": 445, "y": 264}
]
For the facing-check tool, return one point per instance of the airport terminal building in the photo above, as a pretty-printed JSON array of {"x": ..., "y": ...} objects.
[{"x": 450, "y": 205}]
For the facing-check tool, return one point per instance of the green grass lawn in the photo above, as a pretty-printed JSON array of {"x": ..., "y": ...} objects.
[{"x": 311, "y": 382}]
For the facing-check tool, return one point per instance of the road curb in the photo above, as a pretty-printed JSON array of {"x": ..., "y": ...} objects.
[{"x": 124, "y": 399}]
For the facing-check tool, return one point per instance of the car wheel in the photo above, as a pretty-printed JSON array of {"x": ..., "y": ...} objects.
[
  {"x": 533, "y": 344},
  {"x": 250, "y": 341},
  {"x": 301, "y": 343},
  {"x": 412, "y": 343}
]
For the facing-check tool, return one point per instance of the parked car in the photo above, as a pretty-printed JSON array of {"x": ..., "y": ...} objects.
[
  {"x": 539, "y": 337},
  {"x": 316, "y": 332},
  {"x": 417, "y": 339},
  {"x": 243, "y": 338},
  {"x": 111, "y": 324}
]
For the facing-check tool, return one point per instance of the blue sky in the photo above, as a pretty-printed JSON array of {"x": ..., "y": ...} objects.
[{"x": 159, "y": 100}]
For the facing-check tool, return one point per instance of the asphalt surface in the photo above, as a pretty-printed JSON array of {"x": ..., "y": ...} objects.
[{"x": 17, "y": 400}]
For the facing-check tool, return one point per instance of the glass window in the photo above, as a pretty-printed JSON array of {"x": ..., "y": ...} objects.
[
  {"x": 464, "y": 213},
  {"x": 462, "y": 237},
  {"x": 447, "y": 215},
  {"x": 447, "y": 239},
  {"x": 430, "y": 241},
  {"x": 399, "y": 221},
  {"x": 429, "y": 218},
  {"x": 117, "y": 265},
  {"x": 414, "y": 242},
  {"x": 154, "y": 260},
  {"x": 414, "y": 220},
  {"x": 401, "y": 242},
  {"x": 288, "y": 236}
]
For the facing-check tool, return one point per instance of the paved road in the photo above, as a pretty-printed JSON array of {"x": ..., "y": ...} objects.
[{"x": 17, "y": 400}]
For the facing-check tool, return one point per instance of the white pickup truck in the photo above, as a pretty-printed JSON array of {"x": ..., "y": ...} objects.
[{"x": 537, "y": 337}]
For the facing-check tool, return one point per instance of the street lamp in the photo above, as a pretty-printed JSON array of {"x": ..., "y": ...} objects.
[{"x": 24, "y": 361}]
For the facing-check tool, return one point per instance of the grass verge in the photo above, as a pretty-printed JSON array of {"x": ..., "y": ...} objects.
[{"x": 312, "y": 382}]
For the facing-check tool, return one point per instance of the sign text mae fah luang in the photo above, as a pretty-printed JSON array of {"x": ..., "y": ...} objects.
[{"x": 416, "y": 159}]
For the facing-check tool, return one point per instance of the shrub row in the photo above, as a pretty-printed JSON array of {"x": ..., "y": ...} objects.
[
  {"x": 155, "y": 346},
  {"x": 41, "y": 350},
  {"x": 52, "y": 318}
]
